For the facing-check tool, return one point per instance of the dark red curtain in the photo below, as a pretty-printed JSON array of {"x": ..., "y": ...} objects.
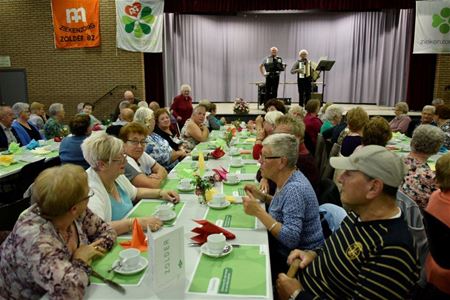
[
  {"x": 422, "y": 69},
  {"x": 154, "y": 79}
]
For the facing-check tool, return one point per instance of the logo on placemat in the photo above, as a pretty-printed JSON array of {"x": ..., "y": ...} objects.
[
  {"x": 138, "y": 19},
  {"x": 442, "y": 21}
]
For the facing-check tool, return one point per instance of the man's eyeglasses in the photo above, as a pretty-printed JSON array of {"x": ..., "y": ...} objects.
[
  {"x": 122, "y": 159},
  {"x": 263, "y": 158},
  {"x": 143, "y": 143}
]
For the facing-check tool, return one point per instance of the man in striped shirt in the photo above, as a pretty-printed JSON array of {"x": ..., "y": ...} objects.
[{"x": 371, "y": 256}]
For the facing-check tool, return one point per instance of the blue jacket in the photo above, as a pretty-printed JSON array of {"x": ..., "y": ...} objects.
[{"x": 22, "y": 134}]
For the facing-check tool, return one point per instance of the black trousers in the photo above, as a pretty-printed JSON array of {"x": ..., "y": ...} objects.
[
  {"x": 304, "y": 90},
  {"x": 272, "y": 86}
]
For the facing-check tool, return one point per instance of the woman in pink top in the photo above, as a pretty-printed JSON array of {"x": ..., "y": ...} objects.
[{"x": 401, "y": 121}]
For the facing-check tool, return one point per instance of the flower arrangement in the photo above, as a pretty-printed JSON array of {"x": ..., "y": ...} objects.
[{"x": 241, "y": 107}]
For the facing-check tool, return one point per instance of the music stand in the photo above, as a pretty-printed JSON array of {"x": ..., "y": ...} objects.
[{"x": 324, "y": 66}]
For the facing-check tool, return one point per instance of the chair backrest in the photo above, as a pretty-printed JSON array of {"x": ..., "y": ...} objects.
[
  {"x": 9, "y": 188},
  {"x": 329, "y": 192},
  {"x": 56, "y": 161},
  {"x": 10, "y": 212},
  {"x": 438, "y": 239},
  {"x": 29, "y": 173}
]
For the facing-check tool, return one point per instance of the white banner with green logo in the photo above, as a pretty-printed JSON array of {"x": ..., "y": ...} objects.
[
  {"x": 432, "y": 32},
  {"x": 139, "y": 25}
]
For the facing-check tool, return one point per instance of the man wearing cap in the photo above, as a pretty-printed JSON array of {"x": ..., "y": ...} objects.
[{"x": 371, "y": 256}]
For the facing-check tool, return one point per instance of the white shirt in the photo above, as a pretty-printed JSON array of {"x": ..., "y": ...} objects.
[{"x": 144, "y": 164}]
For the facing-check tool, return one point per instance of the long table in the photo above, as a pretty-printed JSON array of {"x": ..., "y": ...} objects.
[{"x": 255, "y": 234}]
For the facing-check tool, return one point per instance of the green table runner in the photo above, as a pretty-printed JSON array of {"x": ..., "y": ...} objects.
[
  {"x": 171, "y": 184},
  {"x": 244, "y": 146},
  {"x": 251, "y": 169},
  {"x": 146, "y": 208},
  {"x": 241, "y": 273},
  {"x": 229, "y": 189},
  {"x": 103, "y": 264},
  {"x": 232, "y": 217}
]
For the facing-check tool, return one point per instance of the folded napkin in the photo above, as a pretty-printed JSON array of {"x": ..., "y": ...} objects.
[
  {"x": 230, "y": 198},
  {"x": 14, "y": 147},
  {"x": 221, "y": 173},
  {"x": 217, "y": 153},
  {"x": 97, "y": 127},
  {"x": 6, "y": 160},
  {"x": 208, "y": 228},
  {"x": 138, "y": 238},
  {"x": 33, "y": 144}
]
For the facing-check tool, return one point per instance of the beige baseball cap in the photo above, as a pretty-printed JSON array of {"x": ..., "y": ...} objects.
[{"x": 376, "y": 162}]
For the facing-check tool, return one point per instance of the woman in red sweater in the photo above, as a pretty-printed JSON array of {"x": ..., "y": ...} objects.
[{"x": 182, "y": 105}]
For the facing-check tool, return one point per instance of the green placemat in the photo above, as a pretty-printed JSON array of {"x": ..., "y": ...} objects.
[
  {"x": 241, "y": 273},
  {"x": 232, "y": 217},
  {"x": 146, "y": 208},
  {"x": 229, "y": 189},
  {"x": 250, "y": 169},
  {"x": 12, "y": 167},
  {"x": 171, "y": 184},
  {"x": 103, "y": 264},
  {"x": 244, "y": 146},
  {"x": 185, "y": 165}
]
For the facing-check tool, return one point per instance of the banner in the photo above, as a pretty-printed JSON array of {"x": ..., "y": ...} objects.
[
  {"x": 139, "y": 25},
  {"x": 432, "y": 32},
  {"x": 76, "y": 23}
]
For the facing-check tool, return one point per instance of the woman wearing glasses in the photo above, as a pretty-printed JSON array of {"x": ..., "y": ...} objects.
[
  {"x": 114, "y": 193},
  {"x": 54, "y": 241}
]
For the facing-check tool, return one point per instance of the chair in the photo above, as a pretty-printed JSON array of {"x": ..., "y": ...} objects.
[
  {"x": 438, "y": 239},
  {"x": 10, "y": 212},
  {"x": 52, "y": 162},
  {"x": 28, "y": 174},
  {"x": 8, "y": 188},
  {"x": 329, "y": 192}
]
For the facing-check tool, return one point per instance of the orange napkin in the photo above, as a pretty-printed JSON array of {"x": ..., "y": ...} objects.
[
  {"x": 138, "y": 238},
  {"x": 207, "y": 229}
]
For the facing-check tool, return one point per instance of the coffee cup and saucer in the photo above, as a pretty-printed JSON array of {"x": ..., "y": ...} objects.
[
  {"x": 234, "y": 151},
  {"x": 165, "y": 212},
  {"x": 237, "y": 162},
  {"x": 216, "y": 246},
  {"x": 185, "y": 185},
  {"x": 232, "y": 179},
  {"x": 130, "y": 262},
  {"x": 219, "y": 202}
]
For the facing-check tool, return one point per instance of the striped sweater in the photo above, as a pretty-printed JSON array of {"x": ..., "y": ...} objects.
[{"x": 363, "y": 260}]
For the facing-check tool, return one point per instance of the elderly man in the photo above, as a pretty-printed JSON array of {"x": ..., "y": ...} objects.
[
  {"x": 129, "y": 96},
  {"x": 303, "y": 69},
  {"x": 154, "y": 106},
  {"x": 270, "y": 68},
  {"x": 372, "y": 254},
  {"x": 425, "y": 118},
  {"x": 7, "y": 133}
]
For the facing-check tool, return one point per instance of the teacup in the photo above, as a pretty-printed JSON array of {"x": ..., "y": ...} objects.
[
  {"x": 218, "y": 199},
  {"x": 164, "y": 211},
  {"x": 234, "y": 151},
  {"x": 236, "y": 161},
  {"x": 216, "y": 243},
  {"x": 130, "y": 258},
  {"x": 185, "y": 183},
  {"x": 232, "y": 178}
]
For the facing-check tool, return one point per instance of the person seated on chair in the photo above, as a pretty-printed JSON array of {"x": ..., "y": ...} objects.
[
  {"x": 312, "y": 122},
  {"x": 401, "y": 121},
  {"x": 157, "y": 147},
  {"x": 54, "y": 241},
  {"x": 54, "y": 126},
  {"x": 154, "y": 106},
  {"x": 275, "y": 104},
  {"x": 213, "y": 122},
  {"x": 351, "y": 138},
  {"x": 376, "y": 132},
  {"x": 7, "y": 133},
  {"x": 114, "y": 194},
  {"x": 331, "y": 117},
  {"x": 163, "y": 129},
  {"x": 24, "y": 129},
  {"x": 297, "y": 111},
  {"x": 419, "y": 182},
  {"x": 442, "y": 119},
  {"x": 264, "y": 128},
  {"x": 194, "y": 131},
  {"x": 439, "y": 207},
  {"x": 88, "y": 108},
  {"x": 372, "y": 255},
  {"x": 70, "y": 147},
  {"x": 38, "y": 117},
  {"x": 426, "y": 117},
  {"x": 141, "y": 168},
  {"x": 293, "y": 216}
]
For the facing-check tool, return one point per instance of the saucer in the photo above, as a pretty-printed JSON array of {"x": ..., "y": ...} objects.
[
  {"x": 231, "y": 183},
  {"x": 223, "y": 205},
  {"x": 235, "y": 153},
  {"x": 171, "y": 216},
  {"x": 237, "y": 165},
  {"x": 204, "y": 249},
  {"x": 143, "y": 263},
  {"x": 183, "y": 189}
]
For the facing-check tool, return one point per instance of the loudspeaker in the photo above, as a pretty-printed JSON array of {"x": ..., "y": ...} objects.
[{"x": 261, "y": 93}]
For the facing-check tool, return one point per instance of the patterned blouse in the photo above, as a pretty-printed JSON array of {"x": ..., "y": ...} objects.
[
  {"x": 35, "y": 260},
  {"x": 160, "y": 150},
  {"x": 419, "y": 182},
  {"x": 189, "y": 142},
  {"x": 53, "y": 128},
  {"x": 446, "y": 129}
]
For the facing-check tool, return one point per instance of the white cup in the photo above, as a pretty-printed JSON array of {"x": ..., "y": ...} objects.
[
  {"x": 130, "y": 258},
  {"x": 218, "y": 199},
  {"x": 185, "y": 183},
  {"x": 236, "y": 161},
  {"x": 216, "y": 243},
  {"x": 234, "y": 150},
  {"x": 232, "y": 178},
  {"x": 163, "y": 211}
]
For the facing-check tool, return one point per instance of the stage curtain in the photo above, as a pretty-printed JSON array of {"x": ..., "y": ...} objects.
[
  {"x": 219, "y": 56},
  {"x": 233, "y": 6}
]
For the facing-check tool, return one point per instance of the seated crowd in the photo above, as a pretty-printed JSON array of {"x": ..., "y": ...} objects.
[{"x": 361, "y": 248}]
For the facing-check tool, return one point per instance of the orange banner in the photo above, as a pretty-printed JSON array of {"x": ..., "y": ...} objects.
[{"x": 76, "y": 23}]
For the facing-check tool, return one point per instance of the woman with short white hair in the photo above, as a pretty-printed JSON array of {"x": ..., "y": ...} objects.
[
  {"x": 332, "y": 117},
  {"x": 54, "y": 126},
  {"x": 182, "y": 105},
  {"x": 401, "y": 121},
  {"x": 24, "y": 129},
  {"x": 114, "y": 194},
  {"x": 264, "y": 128}
]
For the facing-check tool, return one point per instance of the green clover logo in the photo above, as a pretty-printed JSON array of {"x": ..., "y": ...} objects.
[
  {"x": 137, "y": 23},
  {"x": 442, "y": 21}
]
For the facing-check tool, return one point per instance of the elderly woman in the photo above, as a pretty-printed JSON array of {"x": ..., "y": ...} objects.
[
  {"x": 38, "y": 117},
  {"x": 70, "y": 148},
  {"x": 24, "y": 129},
  {"x": 264, "y": 128},
  {"x": 162, "y": 128},
  {"x": 114, "y": 194},
  {"x": 297, "y": 111},
  {"x": 194, "y": 130},
  {"x": 157, "y": 147},
  {"x": 439, "y": 207},
  {"x": 54, "y": 126},
  {"x": 442, "y": 119},
  {"x": 351, "y": 138},
  {"x": 213, "y": 122},
  {"x": 312, "y": 122},
  {"x": 275, "y": 104},
  {"x": 55, "y": 240},
  {"x": 293, "y": 216},
  {"x": 419, "y": 182},
  {"x": 141, "y": 169},
  {"x": 332, "y": 117},
  {"x": 401, "y": 121},
  {"x": 182, "y": 105}
]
